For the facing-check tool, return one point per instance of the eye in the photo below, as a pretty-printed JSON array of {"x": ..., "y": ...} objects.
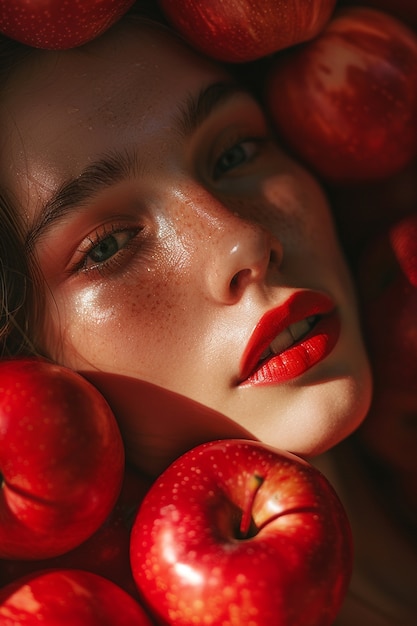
[
  {"x": 238, "y": 154},
  {"x": 107, "y": 249},
  {"x": 108, "y": 246}
]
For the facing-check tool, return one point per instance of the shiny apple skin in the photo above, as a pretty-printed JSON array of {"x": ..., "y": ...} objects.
[
  {"x": 239, "y": 31},
  {"x": 58, "y": 25},
  {"x": 190, "y": 565},
  {"x": 61, "y": 459},
  {"x": 68, "y": 598},
  {"x": 346, "y": 102},
  {"x": 105, "y": 553}
]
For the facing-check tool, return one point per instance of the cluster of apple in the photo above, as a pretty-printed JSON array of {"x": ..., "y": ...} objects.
[
  {"x": 65, "y": 501},
  {"x": 232, "y": 529}
]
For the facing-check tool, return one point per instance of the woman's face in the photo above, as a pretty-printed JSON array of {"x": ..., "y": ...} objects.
[{"x": 181, "y": 247}]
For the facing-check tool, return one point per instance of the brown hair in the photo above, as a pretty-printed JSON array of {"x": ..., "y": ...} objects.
[{"x": 17, "y": 303}]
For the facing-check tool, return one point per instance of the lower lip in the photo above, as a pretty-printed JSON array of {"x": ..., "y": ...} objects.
[{"x": 301, "y": 357}]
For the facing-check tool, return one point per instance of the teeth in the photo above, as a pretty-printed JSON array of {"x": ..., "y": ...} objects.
[
  {"x": 301, "y": 328},
  {"x": 289, "y": 336},
  {"x": 283, "y": 341}
]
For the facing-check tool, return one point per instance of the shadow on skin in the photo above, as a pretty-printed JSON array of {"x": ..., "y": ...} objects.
[{"x": 158, "y": 425}]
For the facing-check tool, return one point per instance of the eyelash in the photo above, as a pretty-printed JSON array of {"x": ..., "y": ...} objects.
[{"x": 116, "y": 260}]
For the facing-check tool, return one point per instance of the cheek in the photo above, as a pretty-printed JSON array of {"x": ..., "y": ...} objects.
[
  {"x": 116, "y": 325},
  {"x": 298, "y": 214}
]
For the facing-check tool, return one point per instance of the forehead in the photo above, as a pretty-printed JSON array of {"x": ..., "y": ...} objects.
[
  {"x": 128, "y": 53},
  {"x": 61, "y": 109}
]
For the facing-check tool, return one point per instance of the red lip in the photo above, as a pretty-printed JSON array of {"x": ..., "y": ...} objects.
[{"x": 303, "y": 354}]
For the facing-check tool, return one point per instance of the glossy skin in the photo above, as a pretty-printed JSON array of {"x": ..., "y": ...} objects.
[
  {"x": 157, "y": 280},
  {"x": 242, "y": 30},
  {"x": 57, "y": 25},
  {"x": 292, "y": 568},
  {"x": 346, "y": 102},
  {"x": 62, "y": 459},
  {"x": 68, "y": 597}
]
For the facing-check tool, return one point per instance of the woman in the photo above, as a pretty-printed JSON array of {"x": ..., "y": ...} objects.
[{"x": 177, "y": 246}]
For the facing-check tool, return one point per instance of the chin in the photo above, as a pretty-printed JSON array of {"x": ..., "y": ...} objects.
[
  {"x": 319, "y": 417},
  {"x": 346, "y": 407}
]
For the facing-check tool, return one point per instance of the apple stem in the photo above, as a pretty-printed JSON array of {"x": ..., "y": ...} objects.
[{"x": 254, "y": 484}]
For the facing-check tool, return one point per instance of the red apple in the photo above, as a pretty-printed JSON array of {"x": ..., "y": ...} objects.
[
  {"x": 235, "y": 532},
  {"x": 105, "y": 553},
  {"x": 404, "y": 9},
  {"x": 363, "y": 209},
  {"x": 244, "y": 30},
  {"x": 59, "y": 24},
  {"x": 68, "y": 598},
  {"x": 403, "y": 239},
  {"x": 390, "y": 433},
  {"x": 346, "y": 102},
  {"x": 61, "y": 459},
  {"x": 387, "y": 286}
]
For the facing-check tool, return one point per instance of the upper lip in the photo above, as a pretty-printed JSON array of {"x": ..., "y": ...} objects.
[{"x": 301, "y": 305}]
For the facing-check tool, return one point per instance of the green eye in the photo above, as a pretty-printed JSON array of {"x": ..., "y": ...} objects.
[
  {"x": 105, "y": 249},
  {"x": 108, "y": 247}
]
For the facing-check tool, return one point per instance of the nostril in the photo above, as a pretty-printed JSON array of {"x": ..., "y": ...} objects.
[
  {"x": 275, "y": 258},
  {"x": 238, "y": 264},
  {"x": 239, "y": 279},
  {"x": 234, "y": 281}
]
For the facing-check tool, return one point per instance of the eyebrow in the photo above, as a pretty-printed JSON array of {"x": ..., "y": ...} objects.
[
  {"x": 117, "y": 166},
  {"x": 196, "y": 110}
]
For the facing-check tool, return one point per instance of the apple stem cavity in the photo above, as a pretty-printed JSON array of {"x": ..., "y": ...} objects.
[{"x": 246, "y": 522}]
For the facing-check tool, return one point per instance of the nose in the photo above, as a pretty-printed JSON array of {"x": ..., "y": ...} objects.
[{"x": 242, "y": 255}]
